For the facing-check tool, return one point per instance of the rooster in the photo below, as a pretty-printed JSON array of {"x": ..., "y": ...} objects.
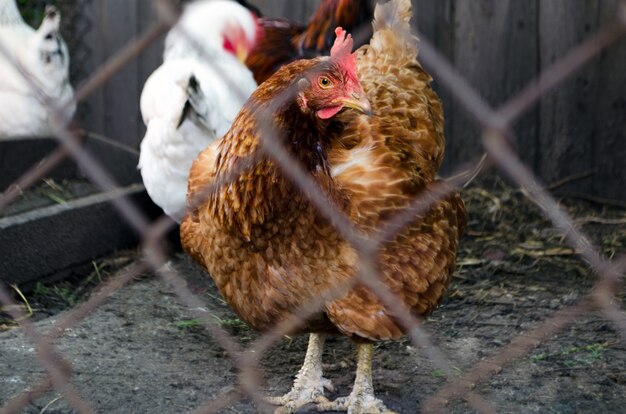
[
  {"x": 285, "y": 41},
  {"x": 267, "y": 247},
  {"x": 44, "y": 55},
  {"x": 188, "y": 102}
]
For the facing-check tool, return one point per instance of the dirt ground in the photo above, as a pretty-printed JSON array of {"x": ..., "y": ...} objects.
[{"x": 143, "y": 352}]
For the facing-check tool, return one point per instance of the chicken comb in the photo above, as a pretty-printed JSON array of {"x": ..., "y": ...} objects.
[{"x": 341, "y": 51}]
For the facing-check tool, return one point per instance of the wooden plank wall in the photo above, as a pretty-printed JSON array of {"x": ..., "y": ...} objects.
[
  {"x": 113, "y": 110},
  {"x": 498, "y": 45},
  {"x": 583, "y": 123}
]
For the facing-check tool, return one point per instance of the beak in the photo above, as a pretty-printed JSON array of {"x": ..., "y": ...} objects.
[
  {"x": 356, "y": 102},
  {"x": 242, "y": 52}
]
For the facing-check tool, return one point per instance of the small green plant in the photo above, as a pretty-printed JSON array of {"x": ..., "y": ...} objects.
[
  {"x": 65, "y": 294},
  {"x": 574, "y": 355},
  {"x": 188, "y": 323},
  {"x": 439, "y": 373},
  {"x": 54, "y": 294},
  {"x": 41, "y": 290},
  {"x": 233, "y": 322},
  {"x": 54, "y": 191}
]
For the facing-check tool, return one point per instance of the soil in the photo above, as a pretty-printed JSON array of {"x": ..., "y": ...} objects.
[{"x": 144, "y": 352}]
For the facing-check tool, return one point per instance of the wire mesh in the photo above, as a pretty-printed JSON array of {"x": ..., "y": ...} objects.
[{"x": 496, "y": 124}]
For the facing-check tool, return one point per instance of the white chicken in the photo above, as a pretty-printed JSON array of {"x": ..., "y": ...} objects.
[
  {"x": 44, "y": 55},
  {"x": 194, "y": 96}
]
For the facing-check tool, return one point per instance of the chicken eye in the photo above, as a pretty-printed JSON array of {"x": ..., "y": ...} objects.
[{"x": 324, "y": 82}]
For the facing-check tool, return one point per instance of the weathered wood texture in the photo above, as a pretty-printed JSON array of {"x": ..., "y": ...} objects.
[
  {"x": 114, "y": 108},
  {"x": 495, "y": 48},
  {"x": 583, "y": 122},
  {"x": 498, "y": 45}
]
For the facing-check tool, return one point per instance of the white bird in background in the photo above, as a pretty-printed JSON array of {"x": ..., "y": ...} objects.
[
  {"x": 194, "y": 96},
  {"x": 44, "y": 55}
]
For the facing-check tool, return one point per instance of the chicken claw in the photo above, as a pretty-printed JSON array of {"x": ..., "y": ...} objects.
[
  {"x": 361, "y": 400},
  {"x": 359, "y": 403},
  {"x": 309, "y": 384}
]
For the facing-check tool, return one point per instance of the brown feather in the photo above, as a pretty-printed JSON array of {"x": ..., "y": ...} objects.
[
  {"x": 267, "y": 247},
  {"x": 285, "y": 42},
  {"x": 274, "y": 49}
]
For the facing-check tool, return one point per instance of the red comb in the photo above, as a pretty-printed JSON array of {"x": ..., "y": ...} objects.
[
  {"x": 343, "y": 44},
  {"x": 341, "y": 51}
]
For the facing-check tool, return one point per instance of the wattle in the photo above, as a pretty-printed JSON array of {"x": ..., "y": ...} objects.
[{"x": 327, "y": 113}]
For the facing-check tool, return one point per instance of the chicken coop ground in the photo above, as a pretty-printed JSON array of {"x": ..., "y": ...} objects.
[{"x": 142, "y": 351}]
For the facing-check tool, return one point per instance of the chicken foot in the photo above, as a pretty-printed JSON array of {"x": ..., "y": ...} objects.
[
  {"x": 309, "y": 384},
  {"x": 361, "y": 400}
]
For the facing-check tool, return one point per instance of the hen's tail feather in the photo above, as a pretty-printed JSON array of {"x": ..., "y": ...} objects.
[{"x": 395, "y": 16}]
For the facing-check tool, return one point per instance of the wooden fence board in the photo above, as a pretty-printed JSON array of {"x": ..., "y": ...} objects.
[
  {"x": 114, "y": 107},
  {"x": 434, "y": 21},
  {"x": 120, "y": 17},
  {"x": 152, "y": 57},
  {"x": 609, "y": 109},
  {"x": 491, "y": 37},
  {"x": 566, "y": 120},
  {"x": 94, "y": 119}
]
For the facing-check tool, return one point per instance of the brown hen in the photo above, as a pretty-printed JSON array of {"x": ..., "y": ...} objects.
[
  {"x": 286, "y": 41},
  {"x": 270, "y": 251}
]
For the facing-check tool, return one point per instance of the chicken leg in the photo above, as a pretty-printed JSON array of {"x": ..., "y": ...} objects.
[
  {"x": 362, "y": 399},
  {"x": 309, "y": 384}
]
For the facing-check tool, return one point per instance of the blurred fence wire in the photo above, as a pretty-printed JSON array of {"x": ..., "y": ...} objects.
[{"x": 496, "y": 124}]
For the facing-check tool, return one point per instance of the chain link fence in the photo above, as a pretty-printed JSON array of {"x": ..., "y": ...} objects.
[{"x": 496, "y": 124}]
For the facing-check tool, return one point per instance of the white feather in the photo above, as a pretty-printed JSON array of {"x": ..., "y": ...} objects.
[
  {"x": 206, "y": 22},
  {"x": 182, "y": 119},
  {"x": 44, "y": 55}
]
